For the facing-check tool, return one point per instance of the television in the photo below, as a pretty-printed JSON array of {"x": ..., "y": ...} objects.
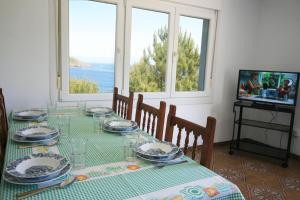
[{"x": 271, "y": 87}]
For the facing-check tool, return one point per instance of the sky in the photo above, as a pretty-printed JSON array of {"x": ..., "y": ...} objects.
[{"x": 92, "y": 28}]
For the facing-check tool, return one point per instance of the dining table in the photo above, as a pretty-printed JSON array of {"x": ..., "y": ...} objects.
[{"x": 108, "y": 175}]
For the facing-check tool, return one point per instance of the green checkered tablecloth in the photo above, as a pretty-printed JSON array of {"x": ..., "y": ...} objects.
[{"x": 111, "y": 178}]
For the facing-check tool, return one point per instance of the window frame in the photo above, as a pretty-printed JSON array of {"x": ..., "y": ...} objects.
[
  {"x": 163, "y": 8},
  {"x": 123, "y": 48},
  {"x": 197, "y": 13},
  {"x": 65, "y": 95}
]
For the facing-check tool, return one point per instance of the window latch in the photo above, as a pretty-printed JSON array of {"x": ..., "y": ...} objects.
[{"x": 58, "y": 82}]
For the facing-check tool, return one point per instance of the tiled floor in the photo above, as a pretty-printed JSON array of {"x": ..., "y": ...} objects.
[{"x": 258, "y": 177}]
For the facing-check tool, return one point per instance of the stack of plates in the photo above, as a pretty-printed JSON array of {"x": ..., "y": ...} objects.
[
  {"x": 30, "y": 115},
  {"x": 36, "y": 169},
  {"x": 36, "y": 134},
  {"x": 120, "y": 126},
  {"x": 159, "y": 152},
  {"x": 101, "y": 110}
]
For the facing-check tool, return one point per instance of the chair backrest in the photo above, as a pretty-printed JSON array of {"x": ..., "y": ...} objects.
[
  {"x": 155, "y": 117},
  {"x": 122, "y": 105},
  {"x": 207, "y": 134},
  {"x": 3, "y": 109},
  {"x": 3, "y": 129}
]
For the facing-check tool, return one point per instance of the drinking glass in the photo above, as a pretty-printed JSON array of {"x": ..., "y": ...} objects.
[
  {"x": 78, "y": 152},
  {"x": 51, "y": 108},
  {"x": 130, "y": 145},
  {"x": 99, "y": 119},
  {"x": 141, "y": 138},
  {"x": 81, "y": 105},
  {"x": 63, "y": 124}
]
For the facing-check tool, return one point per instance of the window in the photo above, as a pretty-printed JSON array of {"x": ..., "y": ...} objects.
[
  {"x": 161, "y": 49},
  {"x": 193, "y": 47},
  {"x": 149, "y": 50},
  {"x": 91, "y": 48},
  {"x": 92, "y": 27},
  {"x": 191, "y": 61}
]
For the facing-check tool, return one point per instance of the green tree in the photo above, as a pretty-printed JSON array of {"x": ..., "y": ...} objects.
[
  {"x": 78, "y": 86},
  {"x": 148, "y": 75},
  {"x": 187, "y": 71}
]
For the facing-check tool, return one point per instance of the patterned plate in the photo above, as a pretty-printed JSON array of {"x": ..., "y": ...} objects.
[
  {"x": 17, "y": 138},
  {"x": 39, "y": 165},
  {"x": 11, "y": 179},
  {"x": 157, "y": 150},
  {"x": 123, "y": 133},
  {"x": 36, "y": 132},
  {"x": 120, "y": 125},
  {"x": 32, "y": 114},
  {"x": 177, "y": 156},
  {"x": 104, "y": 110},
  {"x": 39, "y": 119}
]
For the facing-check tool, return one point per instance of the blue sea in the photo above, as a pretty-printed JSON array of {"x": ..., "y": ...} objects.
[{"x": 101, "y": 74}]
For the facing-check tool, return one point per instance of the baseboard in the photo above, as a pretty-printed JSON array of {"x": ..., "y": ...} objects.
[
  {"x": 216, "y": 144},
  {"x": 224, "y": 143}
]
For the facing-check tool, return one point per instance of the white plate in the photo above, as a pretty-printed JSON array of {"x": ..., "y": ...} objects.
[
  {"x": 38, "y": 119},
  {"x": 120, "y": 125},
  {"x": 120, "y": 132},
  {"x": 178, "y": 155},
  {"x": 17, "y": 138},
  {"x": 158, "y": 149},
  {"x": 104, "y": 110},
  {"x": 11, "y": 179},
  {"x": 29, "y": 114},
  {"x": 37, "y": 166},
  {"x": 36, "y": 132}
]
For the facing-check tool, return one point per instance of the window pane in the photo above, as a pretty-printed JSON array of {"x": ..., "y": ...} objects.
[
  {"x": 92, "y": 27},
  {"x": 192, "y": 48},
  {"x": 149, "y": 46}
]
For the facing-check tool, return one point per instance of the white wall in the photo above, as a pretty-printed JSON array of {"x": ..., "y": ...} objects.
[
  {"x": 278, "y": 41},
  {"x": 24, "y": 58},
  {"x": 277, "y": 48},
  {"x": 24, "y": 52},
  {"x": 235, "y": 48}
]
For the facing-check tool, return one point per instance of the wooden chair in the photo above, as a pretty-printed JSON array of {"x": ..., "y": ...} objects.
[
  {"x": 122, "y": 105},
  {"x": 3, "y": 129},
  {"x": 207, "y": 134},
  {"x": 157, "y": 116}
]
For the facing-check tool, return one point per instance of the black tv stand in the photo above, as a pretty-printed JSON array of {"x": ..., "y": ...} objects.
[
  {"x": 263, "y": 104},
  {"x": 256, "y": 147}
]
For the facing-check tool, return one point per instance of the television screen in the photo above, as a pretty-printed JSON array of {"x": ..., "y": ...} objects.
[{"x": 268, "y": 86}]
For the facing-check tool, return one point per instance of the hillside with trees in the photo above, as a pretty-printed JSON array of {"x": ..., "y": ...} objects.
[
  {"x": 78, "y": 86},
  {"x": 149, "y": 74},
  {"x": 74, "y": 62}
]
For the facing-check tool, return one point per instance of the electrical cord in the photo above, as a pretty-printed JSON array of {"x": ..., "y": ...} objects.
[
  {"x": 274, "y": 116},
  {"x": 266, "y": 130},
  {"x": 281, "y": 139}
]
